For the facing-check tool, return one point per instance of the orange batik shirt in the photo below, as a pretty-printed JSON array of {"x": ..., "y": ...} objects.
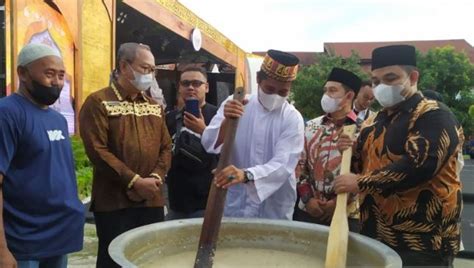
[{"x": 410, "y": 190}]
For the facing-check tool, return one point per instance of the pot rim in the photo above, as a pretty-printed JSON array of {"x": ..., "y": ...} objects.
[{"x": 118, "y": 245}]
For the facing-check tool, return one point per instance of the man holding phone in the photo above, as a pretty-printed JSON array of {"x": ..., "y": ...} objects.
[{"x": 190, "y": 175}]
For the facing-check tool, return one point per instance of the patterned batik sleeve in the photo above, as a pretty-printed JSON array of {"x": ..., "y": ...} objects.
[
  {"x": 304, "y": 168},
  {"x": 432, "y": 139},
  {"x": 356, "y": 165}
]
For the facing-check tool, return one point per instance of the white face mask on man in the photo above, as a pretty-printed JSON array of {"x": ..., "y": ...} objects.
[
  {"x": 330, "y": 105},
  {"x": 389, "y": 95},
  {"x": 141, "y": 82},
  {"x": 270, "y": 101}
]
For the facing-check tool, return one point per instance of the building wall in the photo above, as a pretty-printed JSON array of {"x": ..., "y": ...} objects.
[{"x": 34, "y": 21}]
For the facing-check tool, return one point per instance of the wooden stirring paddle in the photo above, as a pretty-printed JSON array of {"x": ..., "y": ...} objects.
[
  {"x": 336, "y": 254},
  {"x": 216, "y": 199}
]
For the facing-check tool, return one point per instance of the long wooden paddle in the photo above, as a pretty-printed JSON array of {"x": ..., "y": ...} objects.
[
  {"x": 336, "y": 254},
  {"x": 216, "y": 199}
]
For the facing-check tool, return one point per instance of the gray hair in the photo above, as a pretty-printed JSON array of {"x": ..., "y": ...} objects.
[{"x": 128, "y": 52}]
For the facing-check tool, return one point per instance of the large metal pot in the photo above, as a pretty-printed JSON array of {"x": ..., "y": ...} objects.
[{"x": 135, "y": 247}]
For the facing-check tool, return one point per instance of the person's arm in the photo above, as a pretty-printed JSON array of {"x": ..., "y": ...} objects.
[
  {"x": 270, "y": 176},
  {"x": 304, "y": 189},
  {"x": 9, "y": 139},
  {"x": 213, "y": 135},
  {"x": 6, "y": 257},
  {"x": 94, "y": 126},
  {"x": 195, "y": 124},
  {"x": 307, "y": 202},
  {"x": 164, "y": 160},
  {"x": 431, "y": 142}
]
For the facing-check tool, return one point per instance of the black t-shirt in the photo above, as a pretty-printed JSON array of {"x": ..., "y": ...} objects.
[{"x": 188, "y": 190}]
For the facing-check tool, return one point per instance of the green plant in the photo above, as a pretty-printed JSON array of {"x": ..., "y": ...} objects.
[
  {"x": 451, "y": 74},
  {"x": 83, "y": 168}
]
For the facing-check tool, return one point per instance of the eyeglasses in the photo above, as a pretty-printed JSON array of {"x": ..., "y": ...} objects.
[
  {"x": 144, "y": 68},
  {"x": 194, "y": 83}
]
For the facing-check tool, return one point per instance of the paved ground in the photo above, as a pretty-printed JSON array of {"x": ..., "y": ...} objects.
[
  {"x": 467, "y": 177},
  {"x": 467, "y": 221},
  {"x": 86, "y": 258}
]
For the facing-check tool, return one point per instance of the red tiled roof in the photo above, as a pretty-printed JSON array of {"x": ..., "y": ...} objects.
[
  {"x": 364, "y": 49},
  {"x": 306, "y": 58}
]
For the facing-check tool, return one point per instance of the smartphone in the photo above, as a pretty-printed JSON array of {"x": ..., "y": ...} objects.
[{"x": 192, "y": 107}]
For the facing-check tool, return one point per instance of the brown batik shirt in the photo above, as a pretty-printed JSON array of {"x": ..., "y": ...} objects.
[
  {"x": 123, "y": 137},
  {"x": 410, "y": 190}
]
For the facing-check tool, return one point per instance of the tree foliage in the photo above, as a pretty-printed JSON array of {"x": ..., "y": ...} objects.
[
  {"x": 452, "y": 74},
  {"x": 442, "y": 69},
  {"x": 83, "y": 168}
]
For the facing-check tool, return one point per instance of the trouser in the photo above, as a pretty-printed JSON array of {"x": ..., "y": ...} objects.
[
  {"x": 177, "y": 215},
  {"x": 111, "y": 224},
  {"x": 300, "y": 215},
  {"x": 51, "y": 262},
  {"x": 420, "y": 259}
]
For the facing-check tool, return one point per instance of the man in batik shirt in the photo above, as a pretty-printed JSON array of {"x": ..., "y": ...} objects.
[
  {"x": 322, "y": 158},
  {"x": 405, "y": 158}
]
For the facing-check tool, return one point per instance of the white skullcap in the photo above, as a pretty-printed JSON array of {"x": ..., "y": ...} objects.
[{"x": 32, "y": 52}]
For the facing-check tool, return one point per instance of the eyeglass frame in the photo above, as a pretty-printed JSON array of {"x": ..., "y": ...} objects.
[{"x": 194, "y": 83}]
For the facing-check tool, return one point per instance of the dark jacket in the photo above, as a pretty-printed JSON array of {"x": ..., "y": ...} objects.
[{"x": 188, "y": 189}]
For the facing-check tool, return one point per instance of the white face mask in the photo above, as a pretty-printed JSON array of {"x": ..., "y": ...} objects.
[
  {"x": 330, "y": 105},
  {"x": 388, "y": 95},
  {"x": 141, "y": 82},
  {"x": 270, "y": 101}
]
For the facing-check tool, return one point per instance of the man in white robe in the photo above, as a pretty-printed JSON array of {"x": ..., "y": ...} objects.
[{"x": 268, "y": 143}]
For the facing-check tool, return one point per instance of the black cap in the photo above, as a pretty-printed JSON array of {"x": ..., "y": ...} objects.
[
  {"x": 283, "y": 58},
  {"x": 393, "y": 55},
  {"x": 345, "y": 77},
  {"x": 280, "y": 65}
]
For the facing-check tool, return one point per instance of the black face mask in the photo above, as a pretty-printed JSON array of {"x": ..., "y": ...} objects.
[{"x": 43, "y": 94}]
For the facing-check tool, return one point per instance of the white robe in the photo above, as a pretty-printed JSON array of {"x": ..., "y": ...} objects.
[{"x": 268, "y": 144}]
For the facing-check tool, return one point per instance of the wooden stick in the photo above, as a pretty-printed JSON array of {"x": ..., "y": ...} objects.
[
  {"x": 336, "y": 254},
  {"x": 216, "y": 199}
]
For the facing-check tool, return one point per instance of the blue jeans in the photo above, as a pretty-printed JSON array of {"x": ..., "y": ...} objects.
[{"x": 52, "y": 262}]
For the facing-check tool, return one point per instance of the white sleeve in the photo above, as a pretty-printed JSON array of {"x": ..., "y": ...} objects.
[
  {"x": 211, "y": 132},
  {"x": 270, "y": 176}
]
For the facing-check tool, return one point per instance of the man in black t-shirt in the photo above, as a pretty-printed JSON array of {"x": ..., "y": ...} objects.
[{"x": 189, "y": 179}]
